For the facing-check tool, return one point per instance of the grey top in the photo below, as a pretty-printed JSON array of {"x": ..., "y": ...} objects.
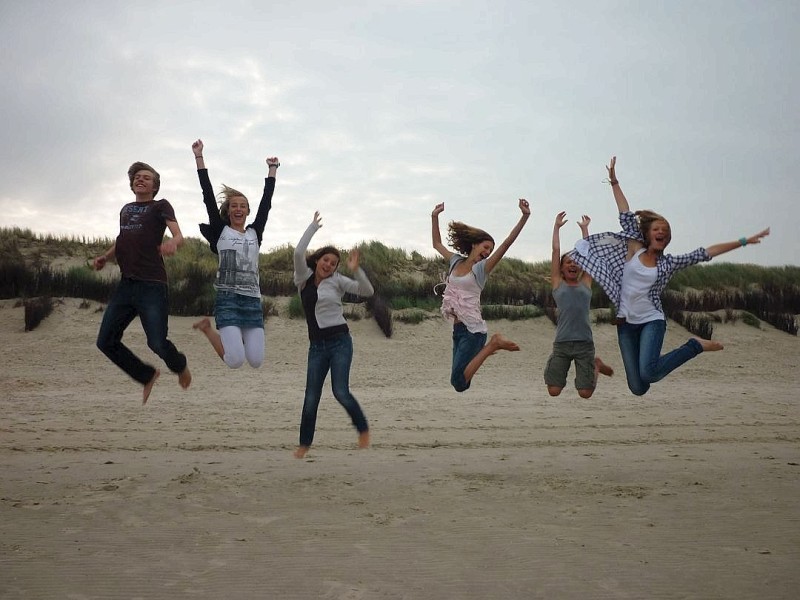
[{"x": 573, "y": 303}]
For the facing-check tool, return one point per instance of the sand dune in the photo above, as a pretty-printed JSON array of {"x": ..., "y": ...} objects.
[{"x": 502, "y": 492}]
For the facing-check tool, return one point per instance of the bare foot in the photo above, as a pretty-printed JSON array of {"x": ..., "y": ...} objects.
[
  {"x": 502, "y": 343},
  {"x": 148, "y": 387},
  {"x": 301, "y": 451},
  {"x": 363, "y": 439},
  {"x": 185, "y": 378},
  {"x": 710, "y": 345},
  {"x": 203, "y": 324},
  {"x": 603, "y": 367}
]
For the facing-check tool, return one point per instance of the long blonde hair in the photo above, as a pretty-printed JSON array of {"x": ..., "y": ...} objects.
[{"x": 645, "y": 219}]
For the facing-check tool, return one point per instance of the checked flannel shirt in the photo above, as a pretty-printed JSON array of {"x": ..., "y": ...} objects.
[{"x": 602, "y": 255}]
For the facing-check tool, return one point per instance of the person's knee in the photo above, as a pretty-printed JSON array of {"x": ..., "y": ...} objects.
[
  {"x": 553, "y": 390},
  {"x": 234, "y": 362},
  {"x": 585, "y": 393},
  {"x": 638, "y": 390}
]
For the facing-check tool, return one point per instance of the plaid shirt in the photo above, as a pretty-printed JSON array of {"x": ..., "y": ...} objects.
[{"x": 602, "y": 255}]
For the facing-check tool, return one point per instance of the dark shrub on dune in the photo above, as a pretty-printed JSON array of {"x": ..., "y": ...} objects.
[{"x": 36, "y": 311}]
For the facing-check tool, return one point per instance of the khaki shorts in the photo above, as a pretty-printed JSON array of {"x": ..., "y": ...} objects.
[{"x": 555, "y": 373}]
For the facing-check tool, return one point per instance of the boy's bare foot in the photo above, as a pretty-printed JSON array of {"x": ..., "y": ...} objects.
[
  {"x": 203, "y": 324},
  {"x": 185, "y": 378},
  {"x": 710, "y": 345},
  {"x": 363, "y": 439},
  {"x": 502, "y": 343},
  {"x": 301, "y": 451},
  {"x": 603, "y": 368},
  {"x": 148, "y": 387}
]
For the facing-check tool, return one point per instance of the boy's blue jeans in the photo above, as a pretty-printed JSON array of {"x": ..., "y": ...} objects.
[
  {"x": 640, "y": 346},
  {"x": 149, "y": 301},
  {"x": 334, "y": 354}
]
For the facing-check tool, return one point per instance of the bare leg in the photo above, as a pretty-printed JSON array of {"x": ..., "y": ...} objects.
[
  {"x": 185, "y": 378},
  {"x": 204, "y": 325},
  {"x": 497, "y": 342},
  {"x": 709, "y": 345},
  {"x": 599, "y": 368},
  {"x": 301, "y": 451},
  {"x": 148, "y": 387},
  {"x": 363, "y": 439},
  {"x": 602, "y": 368}
]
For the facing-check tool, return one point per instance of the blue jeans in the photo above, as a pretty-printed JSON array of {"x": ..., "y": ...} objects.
[
  {"x": 148, "y": 300},
  {"x": 334, "y": 354},
  {"x": 640, "y": 346},
  {"x": 466, "y": 346}
]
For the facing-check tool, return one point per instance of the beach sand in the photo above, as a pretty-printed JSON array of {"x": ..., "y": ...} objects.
[{"x": 501, "y": 492}]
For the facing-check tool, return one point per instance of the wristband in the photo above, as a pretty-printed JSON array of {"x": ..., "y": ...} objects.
[
  {"x": 743, "y": 241},
  {"x": 613, "y": 182},
  {"x": 276, "y": 165},
  {"x": 201, "y": 156}
]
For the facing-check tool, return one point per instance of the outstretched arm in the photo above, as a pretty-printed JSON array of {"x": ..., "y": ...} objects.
[
  {"x": 555, "y": 261},
  {"x": 724, "y": 247},
  {"x": 437, "y": 235},
  {"x": 498, "y": 253}
]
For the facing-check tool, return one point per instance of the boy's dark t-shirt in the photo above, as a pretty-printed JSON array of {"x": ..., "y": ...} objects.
[{"x": 141, "y": 232}]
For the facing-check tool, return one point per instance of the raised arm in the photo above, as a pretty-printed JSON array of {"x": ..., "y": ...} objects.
[
  {"x": 209, "y": 200},
  {"x": 724, "y": 247},
  {"x": 266, "y": 198},
  {"x": 436, "y": 234},
  {"x": 555, "y": 260},
  {"x": 301, "y": 269},
  {"x": 361, "y": 286},
  {"x": 197, "y": 148},
  {"x": 498, "y": 253},
  {"x": 619, "y": 197},
  {"x": 586, "y": 279}
]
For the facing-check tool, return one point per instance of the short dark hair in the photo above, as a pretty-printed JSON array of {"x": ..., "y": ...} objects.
[{"x": 142, "y": 166}]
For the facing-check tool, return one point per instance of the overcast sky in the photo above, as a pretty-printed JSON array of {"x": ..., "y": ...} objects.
[{"x": 379, "y": 110}]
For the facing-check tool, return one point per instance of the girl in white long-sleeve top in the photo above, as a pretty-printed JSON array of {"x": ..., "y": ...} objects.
[{"x": 321, "y": 289}]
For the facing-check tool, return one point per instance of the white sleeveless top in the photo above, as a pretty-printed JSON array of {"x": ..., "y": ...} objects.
[{"x": 634, "y": 301}]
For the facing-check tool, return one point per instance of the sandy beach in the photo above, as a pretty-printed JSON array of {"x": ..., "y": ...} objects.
[{"x": 501, "y": 492}]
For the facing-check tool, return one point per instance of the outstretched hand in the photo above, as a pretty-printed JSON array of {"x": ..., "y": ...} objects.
[
  {"x": 317, "y": 219},
  {"x": 197, "y": 148},
  {"x": 611, "y": 168},
  {"x": 584, "y": 222},
  {"x": 524, "y": 207},
  {"x": 561, "y": 219},
  {"x": 352, "y": 259},
  {"x": 438, "y": 209},
  {"x": 756, "y": 239}
]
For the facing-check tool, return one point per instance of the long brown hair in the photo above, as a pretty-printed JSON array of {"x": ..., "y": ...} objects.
[
  {"x": 462, "y": 237},
  {"x": 227, "y": 193},
  {"x": 646, "y": 218}
]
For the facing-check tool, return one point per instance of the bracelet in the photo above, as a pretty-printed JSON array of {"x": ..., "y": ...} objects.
[
  {"x": 275, "y": 165},
  {"x": 613, "y": 182},
  {"x": 742, "y": 241},
  {"x": 201, "y": 156}
]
